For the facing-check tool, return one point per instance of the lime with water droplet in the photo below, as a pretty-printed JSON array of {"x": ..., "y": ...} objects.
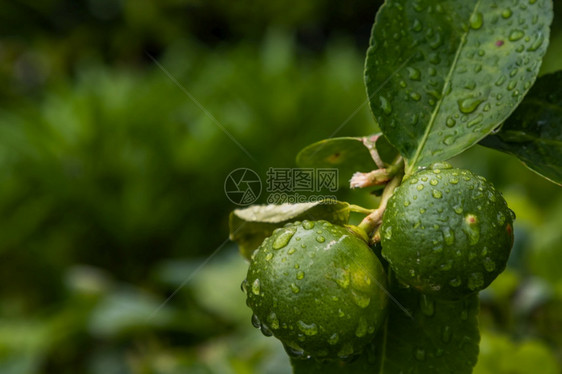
[
  {"x": 466, "y": 213},
  {"x": 331, "y": 292}
]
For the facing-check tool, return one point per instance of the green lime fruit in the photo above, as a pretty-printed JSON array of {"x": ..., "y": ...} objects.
[
  {"x": 318, "y": 288},
  {"x": 447, "y": 232}
]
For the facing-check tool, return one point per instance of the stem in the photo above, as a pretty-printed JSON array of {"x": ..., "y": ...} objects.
[
  {"x": 378, "y": 176},
  {"x": 374, "y": 220},
  {"x": 360, "y": 209}
]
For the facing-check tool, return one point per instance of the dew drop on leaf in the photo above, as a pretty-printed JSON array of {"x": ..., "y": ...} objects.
[
  {"x": 415, "y": 96},
  {"x": 385, "y": 105},
  {"x": 516, "y": 34},
  {"x": 413, "y": 73},
  {"x": 506, "y": 13},
  {"x": 476, "y": 20},
  {"x": 469, "y": 104}
]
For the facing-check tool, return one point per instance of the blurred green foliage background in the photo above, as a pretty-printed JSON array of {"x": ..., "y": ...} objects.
[{"x": 114, "y": 251}]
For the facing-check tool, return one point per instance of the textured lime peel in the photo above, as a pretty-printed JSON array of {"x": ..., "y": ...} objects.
[
  {"x": 447, "y": 232},
  {"x": 318, "y": 288}
]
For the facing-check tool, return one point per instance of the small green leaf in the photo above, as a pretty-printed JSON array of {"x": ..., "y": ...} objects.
[
  {"x": 348, "y": 154},
  {"x": 534, "y": 132},
  {"x": 250, "y": 226},
  {"x": 441, "y": 75},
  {"x": 421, "y": 336}
]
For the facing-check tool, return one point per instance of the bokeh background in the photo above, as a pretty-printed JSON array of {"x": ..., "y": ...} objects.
[{"x": 114, "y": 251}]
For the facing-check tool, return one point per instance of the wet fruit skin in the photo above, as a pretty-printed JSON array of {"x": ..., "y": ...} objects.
[
  {"x": 447, "y": 232},
  {"x": 318, "y": 288}
]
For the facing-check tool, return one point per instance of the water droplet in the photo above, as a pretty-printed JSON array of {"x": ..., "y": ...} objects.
[
  {"x": 300, "y": 275},
  {"x": 476, "y": 20},
  {"x": 295, "y": 288},
  {"x": 256, "y": 321},
  {"x": 437, "y": 194},
  {"x": 244, "y": 286},
  {"x": 413, "y": 73},
  {"x": 537, "y": 43},
  {"x": 346, "y": 351},
  {"x": 419, "y": 354},
  {"x": 450, "y": 122},
  {"x": 415, "y": 96},
  {"x": 446, "y": 334},
  {"x": 307, "y": 225},
  {"x": 419, "y": 187},
  {"x": 448, "y": 235},
  {"x": 333, "y": 339},
  {"x": 469, "y": 104},
  {"x": 475, "y": 281},
  {"x": 283, "y": 239},
  {"x": 342, "y": 278},
  {"x": 434, "y": 182},
  {"x": 308, "y": 329},
  {"x": 360, "y": 299},
  {"x": 294, "y": 352},
  {"x": 489, "y": 264},
  {"x": 506, "y": 13},
  {"x": 385, "y": 105},
  {"x": 516, "y": 34},
  {"x": 427, "y": 305},
  {"x": 406, "y": 203},
  {"x": 320, "y": 239},
  {"x": 388, "y": 233},
  {"x": 422, "y": 210},
  {"x": 446, "y": 266},
  {"x": 341, "y": 314},
  {"x": 265, "y": 330},
  {"x": 455, "y": 282},
  {"x": 268, "y": 256},
  {"x": 417, "y": 26},
  {"x": 256, "y": 287},
  {"x": 361, "y": 330}
]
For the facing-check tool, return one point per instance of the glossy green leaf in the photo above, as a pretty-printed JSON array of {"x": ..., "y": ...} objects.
[
  {"x": 534, "y": 132},
  {"x": 250, "y": 226},
  {"x": 441, "y": 75},
  {"x": 348, "y": 155},
  {"x": 421, "y": 336}
]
